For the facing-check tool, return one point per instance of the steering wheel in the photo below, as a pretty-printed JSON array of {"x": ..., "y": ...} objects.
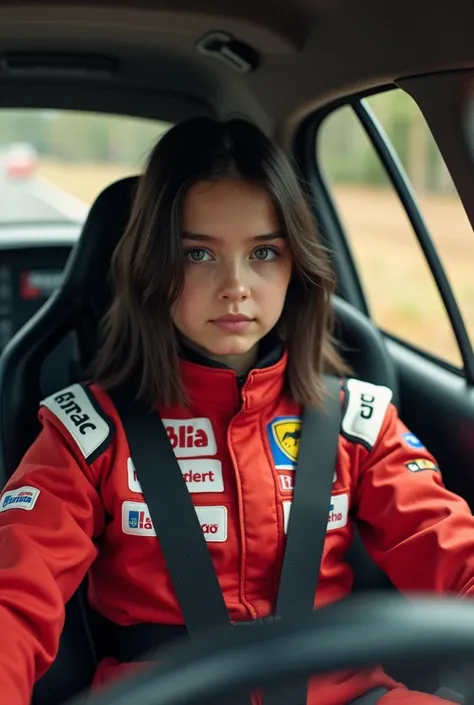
[{"x": 357, "y": 632}]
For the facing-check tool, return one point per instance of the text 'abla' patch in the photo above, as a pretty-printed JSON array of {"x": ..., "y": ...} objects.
[{"x": 191, "y": 437}]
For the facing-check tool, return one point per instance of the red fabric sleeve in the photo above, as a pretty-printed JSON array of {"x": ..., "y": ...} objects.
[
  {"x": 418, "y": 532},
  {"x": 50, "y": 511}
]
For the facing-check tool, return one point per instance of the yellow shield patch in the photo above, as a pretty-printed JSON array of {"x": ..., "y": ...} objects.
[{"x": 287, "y": 434}]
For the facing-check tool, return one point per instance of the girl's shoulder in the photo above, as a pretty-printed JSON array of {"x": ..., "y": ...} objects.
[
  {"x": 86, "y": 413},
  {"x": 364, "y": 410}
]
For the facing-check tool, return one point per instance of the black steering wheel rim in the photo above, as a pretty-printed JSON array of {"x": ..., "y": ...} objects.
[{"x": 375, "y": 629}]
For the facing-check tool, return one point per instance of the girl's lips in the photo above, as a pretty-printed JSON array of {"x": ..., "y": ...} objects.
[{"x": 234, "y": 324}]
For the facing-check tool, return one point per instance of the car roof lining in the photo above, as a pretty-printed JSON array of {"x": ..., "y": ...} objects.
[
  {"x": 160, "y": 105},
  {"x": 312, "y": 50}
]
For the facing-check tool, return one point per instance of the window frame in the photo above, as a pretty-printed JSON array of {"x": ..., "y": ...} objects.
[{"x": 350, "y": 285}]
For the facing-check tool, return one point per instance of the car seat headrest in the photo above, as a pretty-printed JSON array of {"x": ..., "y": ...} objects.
[{"x": 87, "y": 270}]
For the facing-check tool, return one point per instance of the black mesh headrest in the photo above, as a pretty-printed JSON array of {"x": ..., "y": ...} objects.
[
  {"x": 68, "y": 323},
  {"x": 86, "y": 279},
  {"x": 78, "y": 307},
  {"x": 86, "y": 272},
  {"x": 85, "y": 292}
]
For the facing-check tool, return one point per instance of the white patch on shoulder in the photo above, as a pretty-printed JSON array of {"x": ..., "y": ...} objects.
[
  {"x": 21, "y": 498},
  {"x": 76, "y": 412},
  {"x": 365, "y": 411}
]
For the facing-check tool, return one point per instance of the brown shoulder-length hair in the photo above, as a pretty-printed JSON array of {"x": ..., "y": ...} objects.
[{"x": 138, "y": 338}]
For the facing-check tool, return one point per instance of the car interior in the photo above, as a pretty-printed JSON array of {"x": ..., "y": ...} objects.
[{"x": 285, "y": 65}]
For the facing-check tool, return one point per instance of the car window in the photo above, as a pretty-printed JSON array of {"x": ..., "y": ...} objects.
[
  {"x": 401, "y": 293},
  {"x": 53, "y": 163}
]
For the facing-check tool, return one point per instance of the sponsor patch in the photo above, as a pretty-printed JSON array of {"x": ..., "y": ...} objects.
[
  {"x": 213, "y": 523},
  {"x": 286, "y": 515},
  {"x": 133, "y": 483},
  {"x": 421, "y": 464},
  {"x": 284, "y": 435},
  {"x": 76, "y": 412},
  {"x": 191, "y": 437},
  {"x": 286, "y": 483},
  {"x": 136, "y": 521},
  {"x": 338, "y": 512},
  {"x": 200, "y": 475},
  {"x": 21, "y": 498},
  {"x": 412, "y": 441},
  {"x": 366, "y": 406}
]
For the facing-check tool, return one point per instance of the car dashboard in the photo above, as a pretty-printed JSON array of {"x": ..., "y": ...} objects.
[{"x": 32, "y": 262}]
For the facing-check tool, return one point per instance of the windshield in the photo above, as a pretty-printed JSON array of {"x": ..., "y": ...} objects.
[{"x": 54, "y": 163}]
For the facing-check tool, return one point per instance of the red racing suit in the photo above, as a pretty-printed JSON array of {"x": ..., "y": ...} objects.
[{"x": 237, "y": 449}]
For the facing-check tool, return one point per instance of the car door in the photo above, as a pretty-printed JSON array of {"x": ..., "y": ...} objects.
[{"x": 391, "y": 176}]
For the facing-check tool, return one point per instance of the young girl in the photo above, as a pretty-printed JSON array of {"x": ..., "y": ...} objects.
[{"x": 221, "y": 321}]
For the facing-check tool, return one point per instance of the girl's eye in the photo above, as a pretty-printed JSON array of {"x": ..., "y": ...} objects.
[
  {"x": 197, "y": 254},
  {"x": 265, "y": 254}
]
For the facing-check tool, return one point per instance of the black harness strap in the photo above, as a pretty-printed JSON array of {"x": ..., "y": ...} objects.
[
  {"x": 308, "y": 522},
  {"x": 184, "y": 547}
]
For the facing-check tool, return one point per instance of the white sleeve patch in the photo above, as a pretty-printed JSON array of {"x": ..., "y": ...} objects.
[
  {"x": 75, "y": 410},
  {"x": 365, "y": 411},
  {"x": 21, "y": 498}
]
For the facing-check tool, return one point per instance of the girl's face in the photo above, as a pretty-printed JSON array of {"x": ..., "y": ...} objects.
[{"x": 237, "y": 270}]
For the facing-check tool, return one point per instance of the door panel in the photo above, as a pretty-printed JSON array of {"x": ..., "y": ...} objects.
[
  {"x": 438, "y": 406},
  {"x": 436, "y": 394}
]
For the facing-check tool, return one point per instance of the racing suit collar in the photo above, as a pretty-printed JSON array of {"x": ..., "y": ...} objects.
[
  {"x": 270, "y": 351},
  {"x": 218, "y": 384}
]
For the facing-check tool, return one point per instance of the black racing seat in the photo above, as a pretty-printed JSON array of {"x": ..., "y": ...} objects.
[
  {"x": 77, "y": 306},
  {"x": 75, "y": 309}
]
